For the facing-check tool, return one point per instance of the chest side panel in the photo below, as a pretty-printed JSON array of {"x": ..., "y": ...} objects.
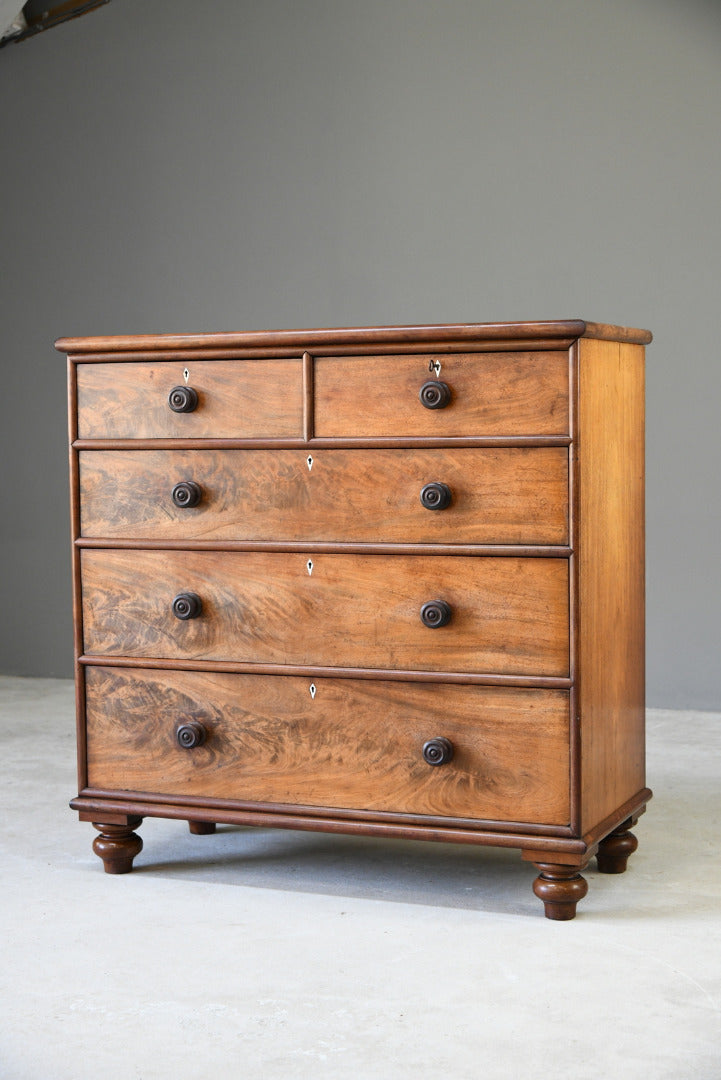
[{"x": 610, "y": 467}]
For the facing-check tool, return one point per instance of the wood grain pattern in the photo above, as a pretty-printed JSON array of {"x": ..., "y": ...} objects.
[
  {"x": 473, "y": 333},
  {"x": 308, "y": 396},
  {"x": 354, "y": 745},
  {"x": 75, "y": 575},
  {"x": 312, "y": 671},
  {"x": 377, "y": 442},
  {"x": 609, "y": 332},
  {"x": 500, "y": 496},
  {"x": 550, "y": 839},
  {"x": 378, "y": 395},
  {"x": 610, "y": 471},
  {"x": 237, "y": 399},
  {"x": 317, "y": 575},
  {"x": 509, "y": 615}
]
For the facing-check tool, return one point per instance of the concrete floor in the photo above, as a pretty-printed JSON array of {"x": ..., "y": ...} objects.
[{"x": 267, "y": 954}]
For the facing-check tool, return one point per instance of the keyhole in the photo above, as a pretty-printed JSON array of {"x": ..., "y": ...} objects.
[
  {"x": 312, "y": 690},
  {"x": 186, "y": 375},
  {"x": 309, "y": 462},
  {"x": 309, "y": 566}
]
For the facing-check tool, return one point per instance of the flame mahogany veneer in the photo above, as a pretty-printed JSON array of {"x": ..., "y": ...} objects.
[{"x": 385, "y": 581}]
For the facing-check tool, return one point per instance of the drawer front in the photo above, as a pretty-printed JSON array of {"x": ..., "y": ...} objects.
[
  {"x": 497, "y": 496},
  {"x": 354, "y": 744},
  {"x": 236, "y": 399},
  {"x": 493, "y": 394},
  {"x": 508, "y": 615}
]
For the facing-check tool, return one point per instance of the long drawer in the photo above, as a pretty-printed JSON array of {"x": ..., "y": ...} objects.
[
  {"x": 489, "y": 394},
  {"x": 238, "y": 399},
  {"x": 507, "y": 615},
  {"x": 351, "y": 744},
  {"x": 495, "y": 496}
]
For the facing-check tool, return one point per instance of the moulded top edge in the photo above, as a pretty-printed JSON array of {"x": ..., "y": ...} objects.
[{"x": 348, "y": 336}]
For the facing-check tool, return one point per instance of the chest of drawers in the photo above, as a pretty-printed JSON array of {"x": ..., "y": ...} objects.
[{"x": 384, "y": 581}]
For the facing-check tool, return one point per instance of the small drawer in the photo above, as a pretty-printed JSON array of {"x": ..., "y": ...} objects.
[
  {"x": 473, "y": 394},
  {"x": 408, "y": 612},
  {"x": 219, "y": 399},
  {"x": 343, "y": 743},
  {"x": 465, "y": 496}
]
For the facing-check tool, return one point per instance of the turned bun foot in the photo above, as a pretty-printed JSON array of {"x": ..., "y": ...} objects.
[
  {"x": 560, "y": 888},
  {"x": 201, "y": 828},
  {"x": 117, "y": 845},
  {"x": 613, "y": 852}
]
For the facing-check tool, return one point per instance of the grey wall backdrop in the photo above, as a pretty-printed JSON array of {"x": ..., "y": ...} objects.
[{"x": 182, "y": 166}]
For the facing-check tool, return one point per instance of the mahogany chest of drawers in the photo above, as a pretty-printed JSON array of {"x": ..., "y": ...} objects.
[{"x": 384, "y": 581}]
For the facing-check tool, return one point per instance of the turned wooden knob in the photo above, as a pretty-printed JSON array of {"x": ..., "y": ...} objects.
[
  {"x": 438, "y": 751},
  {"x": 436, "y": 613},
  {"x": 183, "y": 399},
  {"x": 436, "y": 496},
  {"x": 186, "y": 493},
  {"x": 191, "y": 734},
  {"x": 434, "y": 394},
  {"x": 187, "y": 605}
]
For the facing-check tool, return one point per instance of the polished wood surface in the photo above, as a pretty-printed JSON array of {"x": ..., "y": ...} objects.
[
  {"x": 252, "y": 399},
  {"x": 610, "y": 561},
  {"x": 349, "y": 744},
  {"x": 614, "y": 851},
  {"x": 242, "y": 667},
  {"x": 306, "y": 691},
  {"x": 379, "y": 395},
  {"x": 499, "y": 496},
  {"x": 117, "y": 845},
  {"x": 509, "y": 615},
  {"x": 413, "y": 336},
  {"x": 560, "y": 888},
  {"x": 201, "y": 828}
]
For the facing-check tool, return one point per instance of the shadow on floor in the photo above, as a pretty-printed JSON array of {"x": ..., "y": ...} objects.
[{"x": 402, "y": 871}]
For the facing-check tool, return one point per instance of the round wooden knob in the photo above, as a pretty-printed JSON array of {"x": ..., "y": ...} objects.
[
  {"x": 438, "y": 751},
  {"x": 183, "y": 399},
  {"x": 187, "y": 605},
  {"x": 434, "y": 394},
  {"x": 436, "y": 496},
  {"x": 191, "y": 734},
  {"x": 436, "y": 613},
  {"x": 186, "y": 493}
]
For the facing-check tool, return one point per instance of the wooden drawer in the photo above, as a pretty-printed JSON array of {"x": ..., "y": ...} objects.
[
  {"x": 498, "y": 496},
  {"x": 237, "y": 399},
  {"x": 491, "y": 394},
  {"x": 355, "y": 744},
  {"x": 509, "y": 615}
]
